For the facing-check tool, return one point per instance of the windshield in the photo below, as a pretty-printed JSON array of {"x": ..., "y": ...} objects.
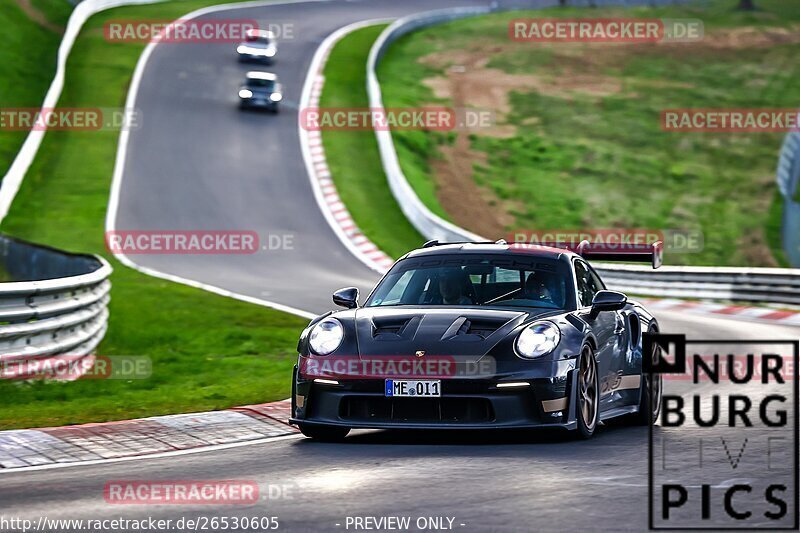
[
  {"x": 257, "y": 42},
  {"x": 261, "y": 85},
  {"x": 500, "y": 280}
]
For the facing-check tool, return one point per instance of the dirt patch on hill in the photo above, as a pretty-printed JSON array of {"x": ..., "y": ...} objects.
[
  {"x": 473, "y": 85},
  {"x": 38, "y": 17},
  {"x": 580, "y": 67},
  {"x": 468, "y": 204},
  {"x": 749, "y": 37},
  {"x": 755, "y": 249},
  {"x": 579, "y": 70},
  {"x": 489, "y": 88}
]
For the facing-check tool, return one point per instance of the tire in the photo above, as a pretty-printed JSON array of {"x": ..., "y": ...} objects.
[
  {"x": 587, "y": 394},
  {"x": 324, "y": 433},
  {"x": 649, "y": 396}
]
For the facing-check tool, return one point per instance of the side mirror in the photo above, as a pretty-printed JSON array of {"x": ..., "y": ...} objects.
[
  {"x": 347, "y": 297},
  {"x": 608, "y": 301}
]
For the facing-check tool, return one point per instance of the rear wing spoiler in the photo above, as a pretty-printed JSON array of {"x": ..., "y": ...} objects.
[{"x": 630, "y": 253}]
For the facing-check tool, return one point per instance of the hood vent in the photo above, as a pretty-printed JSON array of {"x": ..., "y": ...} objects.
[
  {"x": 393, "y": 329},
  {"x": 472, "y": 329},
  {"x": 468, "y": 333}
]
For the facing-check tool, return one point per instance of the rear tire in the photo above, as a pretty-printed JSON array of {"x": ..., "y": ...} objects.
[
  {"x": 587, "y": 394},
  {"x": 649, "y": 395},
  {"x": 324, "y": 433}
]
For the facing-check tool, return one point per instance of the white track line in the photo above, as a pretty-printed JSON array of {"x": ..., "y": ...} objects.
[
  {"x": 26, "y": 155},
  {"x": 122, "y": 148},
  {"x": 113, "y": 206},
  {"x": 325, "y": 206},
  {"x": 766, "y": 315},
  {"x": 328, "y": 200}
]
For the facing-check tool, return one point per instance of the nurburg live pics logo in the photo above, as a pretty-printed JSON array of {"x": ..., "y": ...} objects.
[{"x": 725, "y": 456}]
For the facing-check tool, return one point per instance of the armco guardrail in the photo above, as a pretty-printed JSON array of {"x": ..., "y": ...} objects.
[
  {"x": 780, "y": 286},
  {"x": 52, "y": 305},
  {"x": 771, "y": 285},
  {"x": 426, "y": 222},
  {"x": 788, "y": 180}
]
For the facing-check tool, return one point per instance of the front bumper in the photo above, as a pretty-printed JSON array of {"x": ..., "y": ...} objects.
[
  {"x": 258, "y": 103},
  {"x": 464, "y": 404},
  {"x": 256, "y": 58}
]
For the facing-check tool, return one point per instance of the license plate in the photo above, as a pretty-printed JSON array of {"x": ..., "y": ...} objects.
[{"x": 425, "y": 388}]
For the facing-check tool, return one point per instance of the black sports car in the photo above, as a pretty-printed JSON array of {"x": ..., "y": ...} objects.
[{"x": 475, "y": 336}]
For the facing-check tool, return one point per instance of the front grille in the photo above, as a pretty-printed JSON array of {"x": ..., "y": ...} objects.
[{"x": 416, "y": 410}]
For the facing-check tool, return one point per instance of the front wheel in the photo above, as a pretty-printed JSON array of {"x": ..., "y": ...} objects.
[
  {"x": 588, "y": 394},
  {"x": 324, "y": 433}
]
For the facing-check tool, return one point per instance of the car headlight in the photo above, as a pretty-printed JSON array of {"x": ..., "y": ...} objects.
[
  {"x": 270, "y": 52},
  {"x": 276, "y": 97},
  {"x": 538, "y": 339},
  {"x": 326, "y": 336},
  {"x": 241, "y": 49},
  {"x": 245, "y": 93}
]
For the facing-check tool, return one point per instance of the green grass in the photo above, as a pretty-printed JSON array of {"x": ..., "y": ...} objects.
[
  {"x": 362, "y": 186},
  {"x": 580, "y": 160},
  {"x": 27, "y": 65},
  {"x": 55, "y": 11},
  {"x": 207, "y": 351}
]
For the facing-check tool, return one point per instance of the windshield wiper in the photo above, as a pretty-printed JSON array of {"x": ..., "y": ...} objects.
[{"x": 502, "y": 296}]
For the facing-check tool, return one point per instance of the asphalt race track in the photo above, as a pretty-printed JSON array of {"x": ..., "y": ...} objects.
[
  {"x": 489, "y": 482},
  {"x": 199, "y": 163}
]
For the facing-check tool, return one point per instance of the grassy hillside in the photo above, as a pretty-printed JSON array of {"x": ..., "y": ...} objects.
[
  {"x": 27, "y": 62},
  {"x": 578, "y": 142}
]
